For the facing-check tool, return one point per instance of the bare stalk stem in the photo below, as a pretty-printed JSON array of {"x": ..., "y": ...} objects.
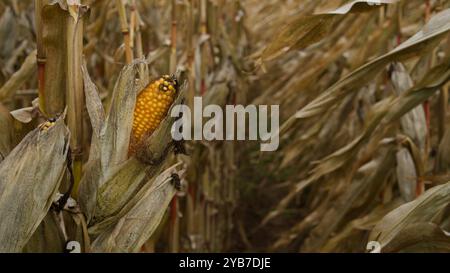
[
  {"x": 173, "y": 39},
  {"x": 125, "y": 30}
]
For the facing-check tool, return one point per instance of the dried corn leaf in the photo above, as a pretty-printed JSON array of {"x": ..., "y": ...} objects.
[
  {"x": 386, "y": 112},
  {"x": 424, "y": 40},
  {"x": 304, "y": 31},
  {"x": 359, "y": 6},
  {"x": 41, "y": 156},
  {"x": 22, "y": 75},
  {"x": 23, "y": 115},
  {"x": 420, "y": 238},
  {"x": 26, "y": 115},
  {"x": 342, "y": 206},
  {"x": 386, "y": 115},
  {"x": 365, "y": 224},
  {"x": 422, "y": 210}
]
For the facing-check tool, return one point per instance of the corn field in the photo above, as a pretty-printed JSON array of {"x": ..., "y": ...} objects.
[{"x": 88, "y": 162}]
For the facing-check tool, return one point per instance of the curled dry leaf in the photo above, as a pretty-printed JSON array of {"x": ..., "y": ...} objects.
[
  {"x": 26, "y": 115},
  {"x": 358, "y": 6}
]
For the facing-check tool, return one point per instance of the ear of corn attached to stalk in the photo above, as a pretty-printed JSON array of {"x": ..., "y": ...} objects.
[{"x": 151, "y": 108}]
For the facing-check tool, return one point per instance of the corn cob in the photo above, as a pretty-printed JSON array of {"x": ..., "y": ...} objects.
[{"x": 152, "y": 105}]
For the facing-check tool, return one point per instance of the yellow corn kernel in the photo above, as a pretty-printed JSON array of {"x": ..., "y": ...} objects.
[{"x": 152, "y": 105}]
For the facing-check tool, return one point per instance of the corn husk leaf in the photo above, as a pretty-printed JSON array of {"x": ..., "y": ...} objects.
[
  {"x": 111, "y": 135},
  {"x": 111, "y": 179},
  {"x": 127, "y": 179},
  {"x": 41, "y": 156},
  {"x": 49, "y": 228},
  {"x": 141, "y": 220}
]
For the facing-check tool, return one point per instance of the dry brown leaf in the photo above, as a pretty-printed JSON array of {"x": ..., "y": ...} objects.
[{"x": 421, "y": 210}]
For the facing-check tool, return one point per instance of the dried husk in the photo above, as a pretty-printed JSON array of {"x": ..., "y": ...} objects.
[
  {"x": 141, "y": 219},
  {"x": 41, "y": 156},
  {"x": 111, "y": 179},
  {"x": 110, "y": 136}
]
